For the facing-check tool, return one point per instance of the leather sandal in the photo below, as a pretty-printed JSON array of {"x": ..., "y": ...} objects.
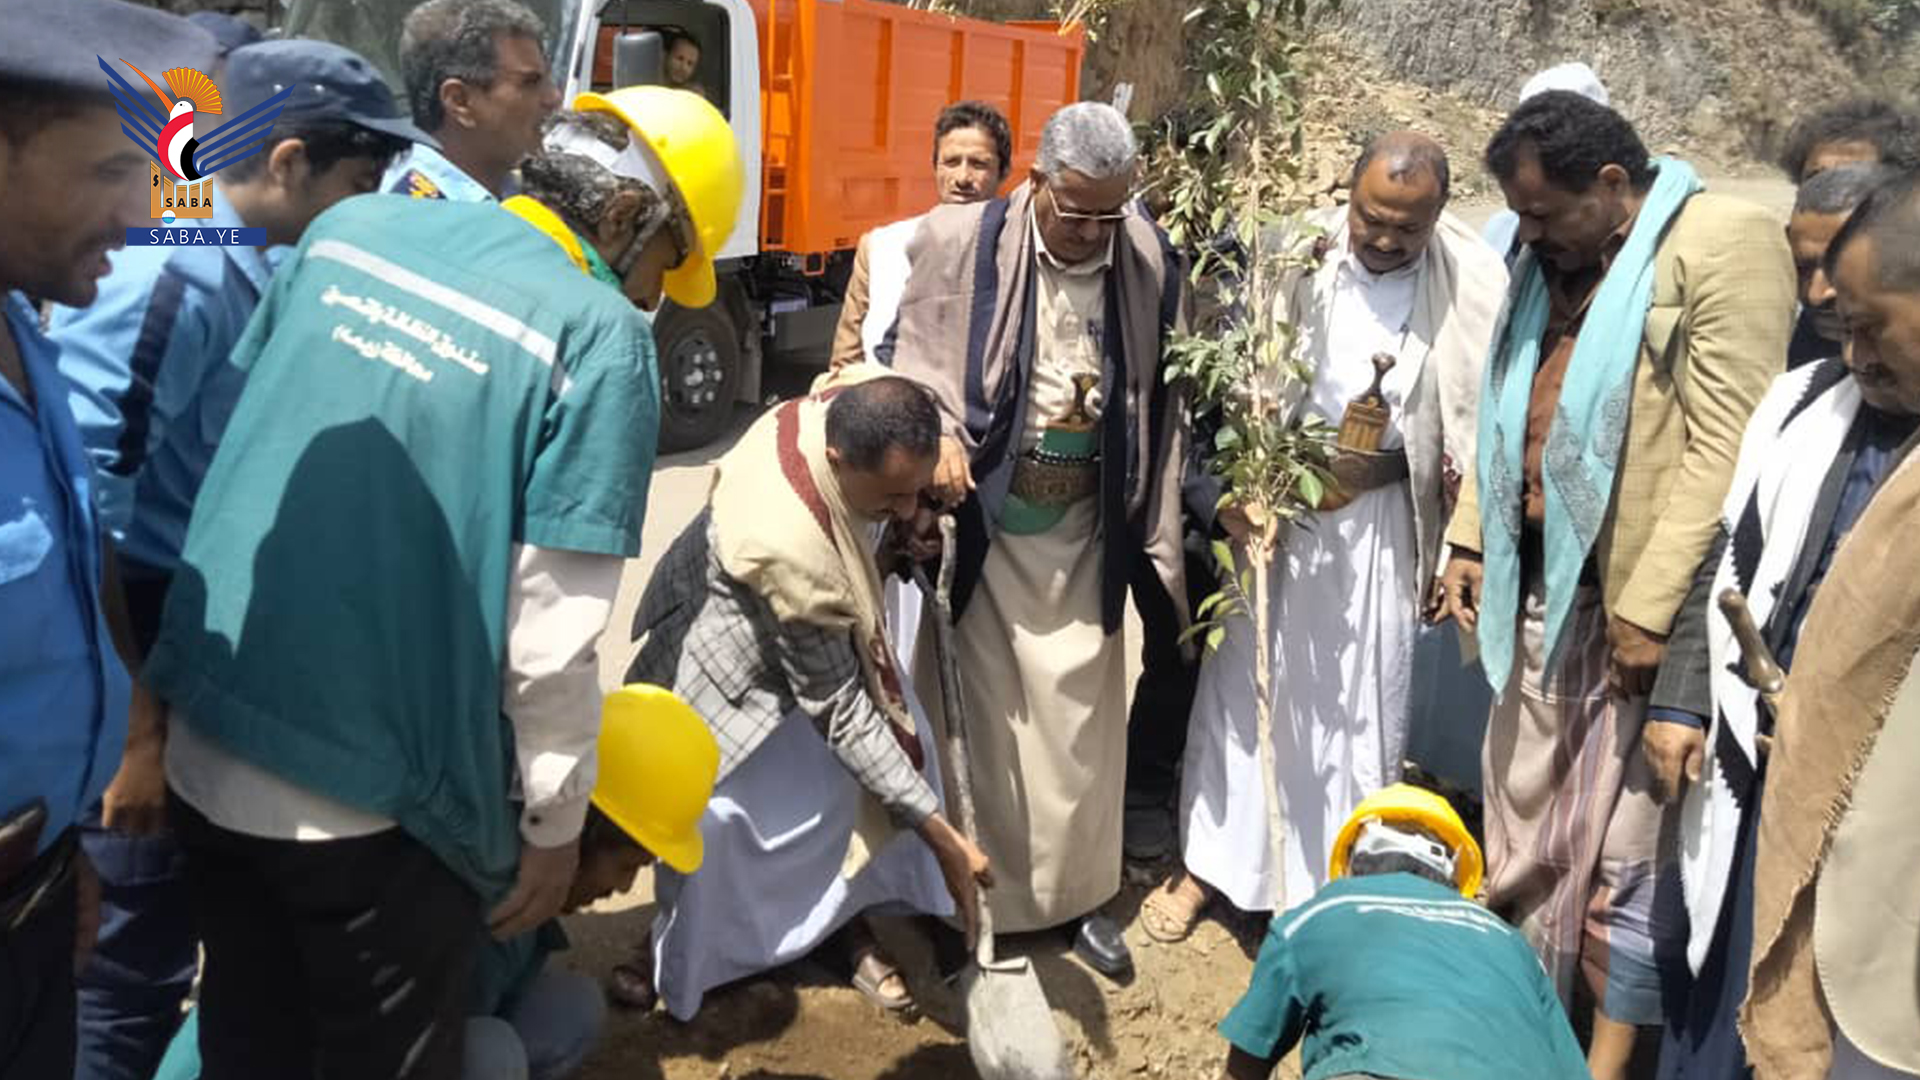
[
  {"x": 872, "y": 972},
  {"x": 1170, "y": 912}
]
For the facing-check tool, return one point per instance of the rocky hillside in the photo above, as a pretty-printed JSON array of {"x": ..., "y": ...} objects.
[
  {"x": 1722, "y": 78},
  {"x": 1719, "y": 80}
]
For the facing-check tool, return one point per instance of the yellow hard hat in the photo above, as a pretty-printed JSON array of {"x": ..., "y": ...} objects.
[
  {"x": 697, "y": 148},
  {"x": 1409, "y": 805},
  {"x": 657, "y": 766}
]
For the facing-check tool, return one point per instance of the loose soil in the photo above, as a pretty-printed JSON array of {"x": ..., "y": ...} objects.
[{"x": 804, "y": 1023}]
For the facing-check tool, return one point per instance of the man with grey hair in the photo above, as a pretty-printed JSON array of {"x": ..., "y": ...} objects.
[
  {"x": 478, "y": 82},
  {"x": 1040, "y": 322},
  {"x": 1390, "y": 275}
]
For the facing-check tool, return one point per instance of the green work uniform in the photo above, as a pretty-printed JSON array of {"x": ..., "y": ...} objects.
[
  {"x": 502, "y": 972},
  {"x": 429, "y": 384},
  {"x": 1397, "y": 977}
]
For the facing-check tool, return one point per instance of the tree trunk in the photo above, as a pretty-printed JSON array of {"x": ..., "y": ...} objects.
[{"x": 1261, "y": 552}]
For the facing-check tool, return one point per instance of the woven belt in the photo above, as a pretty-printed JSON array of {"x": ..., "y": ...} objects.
[
  {"x": 1361, "y": 471},
  {"x": 1045, "y": 479}
]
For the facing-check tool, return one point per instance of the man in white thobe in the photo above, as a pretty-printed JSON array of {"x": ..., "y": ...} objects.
[{"x": 1390, "y": 274}]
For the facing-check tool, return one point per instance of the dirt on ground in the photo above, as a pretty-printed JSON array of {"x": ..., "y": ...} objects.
[{"x": 804, "y": 1023}]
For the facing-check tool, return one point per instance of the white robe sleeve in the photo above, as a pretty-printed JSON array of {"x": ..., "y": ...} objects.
[{"x": 558, "y": 603}]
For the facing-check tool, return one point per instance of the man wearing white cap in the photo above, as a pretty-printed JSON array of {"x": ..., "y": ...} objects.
[{"x": 1502, "y": 227}]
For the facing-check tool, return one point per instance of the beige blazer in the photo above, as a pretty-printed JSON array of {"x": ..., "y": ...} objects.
[
  {"x": 847, "y": 348},
  {"x": 1716, "y": 335}
]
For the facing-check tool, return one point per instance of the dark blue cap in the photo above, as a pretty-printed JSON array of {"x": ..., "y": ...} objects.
[
  {"x": 59, "y": 44},
  {"x": 231, "y": 31},
  {"x": 329, "y": 83}
]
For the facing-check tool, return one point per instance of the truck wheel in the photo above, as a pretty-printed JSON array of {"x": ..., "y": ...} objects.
[{"x": 699, "y": 375}]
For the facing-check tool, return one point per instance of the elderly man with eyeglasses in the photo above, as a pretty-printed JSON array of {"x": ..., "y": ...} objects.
[{"x": 1040, "y": 322}]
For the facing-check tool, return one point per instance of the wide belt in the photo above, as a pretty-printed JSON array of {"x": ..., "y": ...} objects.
[
  {"x": 1048, "y": 480},
  {"x": 1361, "y": 471},
  {"x": 1356, "y": 472},
  {"x": 40, "y": 884}
]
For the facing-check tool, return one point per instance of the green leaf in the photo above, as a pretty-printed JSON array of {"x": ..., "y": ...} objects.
[
  {"x": 1207, "y": 605},
  {"x": 1213, "y": 87},
  {"x": 1311, "y": 489},
  {"x": 1223, "y": 556},
  {"x": 1216, "y": 635}
]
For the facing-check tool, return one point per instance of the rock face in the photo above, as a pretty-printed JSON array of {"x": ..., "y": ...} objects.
[
  {"x": 1725, "y": 77},
  {"x": 1721, "y": 78}
]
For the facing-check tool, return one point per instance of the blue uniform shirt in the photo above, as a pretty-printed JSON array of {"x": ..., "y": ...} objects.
[
  {"x": 152, "y": 388},
  {"x": 63, "y": 691},
  {"x": 425, "y": 173}
]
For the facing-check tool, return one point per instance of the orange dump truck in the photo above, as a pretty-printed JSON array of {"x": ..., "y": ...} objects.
[{"x": 833, "y": 102}]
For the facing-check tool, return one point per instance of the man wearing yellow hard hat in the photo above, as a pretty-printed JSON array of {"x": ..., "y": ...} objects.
[
  {"x": 657, "y": 766},
  {"x": 1393, "y": 972},
  {"x": 381, "y": 640}
]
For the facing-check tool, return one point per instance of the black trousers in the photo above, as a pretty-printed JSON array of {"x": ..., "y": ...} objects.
[
  {"x": 332, "y": 960},
  {"x": 1163, "y": 696},
  {"x": 36, "y": 985}
]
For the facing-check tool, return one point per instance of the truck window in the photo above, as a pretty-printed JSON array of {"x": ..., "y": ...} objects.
[{"x": 707, "y": 24}]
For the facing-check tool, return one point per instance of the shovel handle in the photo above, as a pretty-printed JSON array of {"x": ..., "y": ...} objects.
[
  {"x": 959, "y": 771},
  {"x": 1763, "y": 671}
]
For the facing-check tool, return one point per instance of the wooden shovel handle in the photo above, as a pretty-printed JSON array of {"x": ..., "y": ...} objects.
[{"x": 953, "y": 702}]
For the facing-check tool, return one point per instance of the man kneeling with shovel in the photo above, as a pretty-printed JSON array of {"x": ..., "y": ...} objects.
[
  {"x": 766, "y": 616},
  {"x": 1392, "y": 971}
]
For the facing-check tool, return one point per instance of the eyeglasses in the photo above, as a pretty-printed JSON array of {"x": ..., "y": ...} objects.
[{"x": 1110, "y": 218}]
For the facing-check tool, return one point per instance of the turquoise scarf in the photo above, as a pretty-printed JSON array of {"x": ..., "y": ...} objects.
[{"x": 1589, "y": 425}]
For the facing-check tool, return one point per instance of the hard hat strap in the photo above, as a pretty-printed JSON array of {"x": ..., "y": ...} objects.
[
  {"x": 1382, "y": 838},
  {"x": 636, "y": 161}
]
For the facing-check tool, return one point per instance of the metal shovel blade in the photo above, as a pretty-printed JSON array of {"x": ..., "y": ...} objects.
[{"x": 1010, "y": 1027}]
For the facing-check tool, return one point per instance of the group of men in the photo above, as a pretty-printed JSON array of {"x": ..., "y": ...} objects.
[
  {"x": 354, "y": 505},
  {"x": 1608, "y": 444}
]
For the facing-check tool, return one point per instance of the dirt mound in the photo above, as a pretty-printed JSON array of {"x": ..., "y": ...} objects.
[{"x": 803, "y": 1023}]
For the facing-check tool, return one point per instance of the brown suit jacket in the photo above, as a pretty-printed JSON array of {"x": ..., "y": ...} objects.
[
  {"x": 1716, "y": 335},
  {"x": 847, "y": 348}
]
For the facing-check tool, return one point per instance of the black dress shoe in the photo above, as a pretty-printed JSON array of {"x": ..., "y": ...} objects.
[{"x": 1098, "y": 941}]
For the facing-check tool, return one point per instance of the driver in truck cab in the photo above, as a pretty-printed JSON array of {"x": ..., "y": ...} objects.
[{"x": 478, "y": 82}]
